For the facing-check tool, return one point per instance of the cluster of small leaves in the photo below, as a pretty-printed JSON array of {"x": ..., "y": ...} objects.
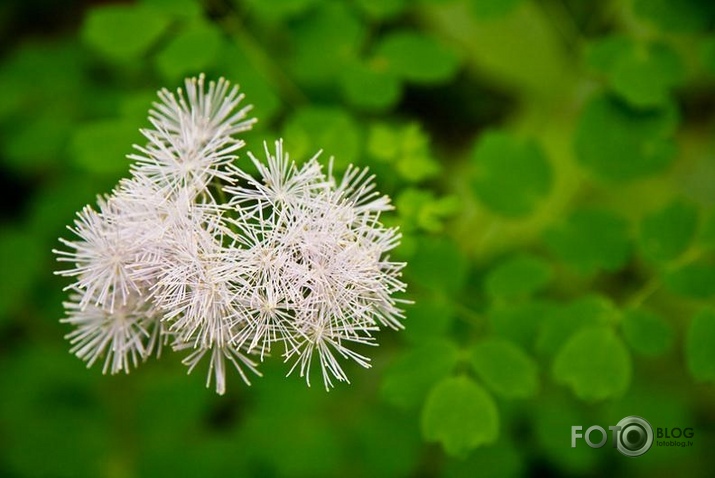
[{"x": 551, "y": 166}]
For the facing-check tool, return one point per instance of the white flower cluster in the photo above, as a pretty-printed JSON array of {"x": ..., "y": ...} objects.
[{"x": 193, "y": 252}]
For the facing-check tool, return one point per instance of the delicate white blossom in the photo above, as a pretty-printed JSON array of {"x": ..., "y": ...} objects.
[
  {"x": 124, "y": 336},
  {"x": 193, "y": 251}
]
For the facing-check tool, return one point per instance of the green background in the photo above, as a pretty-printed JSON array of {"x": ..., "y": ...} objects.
[{"x": 553, "y": 167}]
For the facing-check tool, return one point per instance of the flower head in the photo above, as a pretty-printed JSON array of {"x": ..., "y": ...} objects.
[
  {"x": 295, "y": 257},
  {"x": 320, "y": 258}
]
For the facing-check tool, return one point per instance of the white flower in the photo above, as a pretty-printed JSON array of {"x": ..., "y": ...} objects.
[
  {"x": 102, "y": 257},
  {"x": 124, "y": 336},
  {"x": 318, "y": 262},
  {"x": 192, "y": 140},
  {"x": 194, "y": 252}
]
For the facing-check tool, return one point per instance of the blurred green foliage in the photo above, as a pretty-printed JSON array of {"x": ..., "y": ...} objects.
[{"x": 553, "y": 167}]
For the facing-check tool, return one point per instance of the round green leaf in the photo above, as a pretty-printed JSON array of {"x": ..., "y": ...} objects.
[
  {"x": 420, "y": 209},
  {"x": 461, "y": 415},
  {"x": 428, "y": 319},
  {"x": 37, "y": 143},
  {"x": 102, "y": 146},
  {"x": 620, "y": 144},
  {"x": 417, "y": 57},
  {"x": 644, "y": 76},
  {"x": 518, "y": 276},
  {"x": 520, "y": 322},
  {"x": 324, "y": 42},
  {"x": 333, "y": 130},
  {"x": 700, "y": 346},
  {"x": 192, "y": 51},
  {"x": 696, "y": 281},
  {"x": 512, "y": 176},
  {"x": 370, "y": 88},
  {"x": 641, "y": 74},
  {"x": 646, "y": 332},
  {"x": 438, "y": 265},
  {"x": 408, "y": 380},
  {"x": 560, "y": 322},
  {"x": 259, "y": 90},
  {"x": 602, "y": 54},
  {"x": 505, "y": 368},
  {"x": 590, "y": 240},
  {"x": 595, "y": 364},
  {"x": 123, "y": 32},
  {"x": 666, "y": 234},
  {"x": 406, "y": 147}
]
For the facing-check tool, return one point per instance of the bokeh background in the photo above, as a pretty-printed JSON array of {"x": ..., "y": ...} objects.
[{"x": 553, "y": 167}]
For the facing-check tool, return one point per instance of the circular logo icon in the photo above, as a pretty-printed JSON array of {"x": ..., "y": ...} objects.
[{"x": 635, "y": 436}]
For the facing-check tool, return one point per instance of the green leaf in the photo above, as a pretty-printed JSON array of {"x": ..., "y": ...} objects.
[
  {"x": 520, "y": 322},
  {"x": 406, "y": 147},
  {"x": 47, "y": 78},
  {"x": 518, "y": 276},
  {"x": 416, "y": 57},
  {"x": 438, "y": 265},
  {"x": 487, "y": 9},
  {"x": 641, "y": 74},
  {"x": 563, "y": 321},
  {"x": 512, "y": 176},
  {"x": 38, "y": 143},
  {"x": 602, "y": 53},
  {"x": 428, "y": 319},
  {"x": 595, "y": 364},
  {"x": 124, "y": 32},
  {"x": 505, "y": 368},
  {"x": 461, "y": 415},
  {"x": 383, "y": 142},
  {"x": 420, "y": 209},
  {"x": 666, "y": 234},
  {"x": 370, "y": 88},
  {"x": 325, "y": 42},
  {"x": 192, "y": 51},
  {"x": 676, "y": 15},
  {"x": 646, "y": 332},
  {"x": 408, "y": 380},
  {"x": 254, "y": 83},
  {"x": 620, "y": 144},
  {"x": 333, "y": 130},
  {"x": 102, "y": 146},
  {"x": 695, "y": 281},
  {"x": 590, "y": 240},
  {"x": 700, "y": 346}
]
